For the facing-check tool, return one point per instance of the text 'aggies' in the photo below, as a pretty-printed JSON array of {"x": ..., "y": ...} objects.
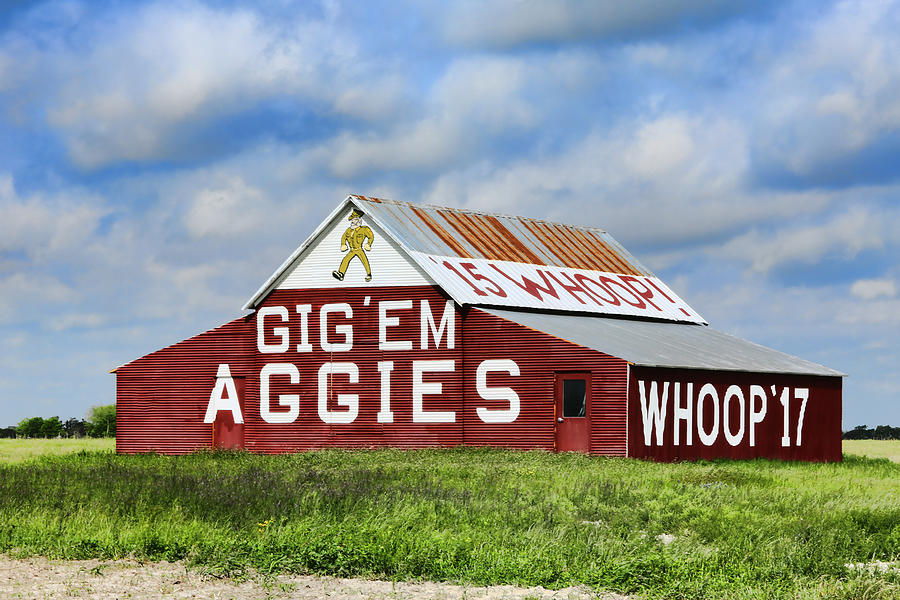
[{"x": 337, "y": 338}]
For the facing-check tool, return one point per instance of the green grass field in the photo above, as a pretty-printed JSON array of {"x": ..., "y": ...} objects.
[
  {"x": 751, "y": 529},
  {"x": 19, "y": 450},
  {"x": 889, "y": 449}
]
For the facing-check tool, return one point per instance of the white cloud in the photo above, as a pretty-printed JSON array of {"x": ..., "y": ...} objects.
[
  {"x": 847, "y": 234},
  {"x": 880, "y": 312},
  {"x": 475, "y": 98},
  {"x": 76, "y": 320},
  {"x": 424, "y": 144},
  {"x": 679, "y": 178},
  {"x": 836, "y": 90},
  {"x": 870, "y": 289},
  {"x": 42, "y": 226},
  {"x": 228, "y": 209},
  {"x": 505, "y": 23},
  {"x": 660, "y": 146},
  {"x": 374, "y": 101},
  {"x": 22, "y": 293},
  {"x": 150, "y": 77}
]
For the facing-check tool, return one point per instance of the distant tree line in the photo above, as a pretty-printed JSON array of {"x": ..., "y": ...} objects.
[
  {"x": 100, "y": 422},
  {"x": 882, "y": 432}
]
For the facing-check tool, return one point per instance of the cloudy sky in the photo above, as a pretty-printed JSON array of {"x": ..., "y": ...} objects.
[{"x": 158, "y": 160}]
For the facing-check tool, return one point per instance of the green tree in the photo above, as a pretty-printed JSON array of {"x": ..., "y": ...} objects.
[
  {"x": 74, "y": 428},
  {"x": 51, "y": 427},
  {"x": 101, "y": 421},
  {"x": 30, "y": 427}
]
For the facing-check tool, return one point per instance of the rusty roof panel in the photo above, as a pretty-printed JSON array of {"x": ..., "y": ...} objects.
[
  {"x": 445, "y": 236},
  {"x": 471, "y": 234}
]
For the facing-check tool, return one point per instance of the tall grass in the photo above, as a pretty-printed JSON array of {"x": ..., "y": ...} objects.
[{"x": 754, "y": 529}]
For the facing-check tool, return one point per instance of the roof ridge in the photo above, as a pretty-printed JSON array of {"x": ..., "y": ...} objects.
[{"x": 475, "y": 212}]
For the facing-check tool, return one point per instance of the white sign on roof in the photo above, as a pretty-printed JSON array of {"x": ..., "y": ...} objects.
[{"x": 502, "y": 283}]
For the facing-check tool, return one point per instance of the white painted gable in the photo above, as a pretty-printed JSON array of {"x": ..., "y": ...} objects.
[{"x": 390, "y": 266}]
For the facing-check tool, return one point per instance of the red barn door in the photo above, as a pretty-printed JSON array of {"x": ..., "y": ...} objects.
[
  {"x": 573, "y": 391},
  {"x": 227, "y": 433}
]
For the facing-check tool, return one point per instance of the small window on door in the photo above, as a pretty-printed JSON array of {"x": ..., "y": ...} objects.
[{"x": 574, "y": 397}]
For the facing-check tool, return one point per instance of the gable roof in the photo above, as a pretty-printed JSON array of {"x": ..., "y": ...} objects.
[{"x": 523, "y": 246}]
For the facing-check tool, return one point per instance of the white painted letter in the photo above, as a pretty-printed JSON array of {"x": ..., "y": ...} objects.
[
  {"x": 385, "y": 321},
  {"x": 733, "y": 391},
  {"x": 786, "y": 405},
  {"x": 224, "y": 383},
  {"x": 291, "y": 401},
  {"x": 448, "y": 323},
  {"x": 497, "y": 393},
  {"x": 346, "y": 329},
  {"x": 801, "y": 394},
  {"x": 303, "y": 310},
  {"x": 685, "y": 414},
  {"x": 351, "y": 401},
  {"x": 421, "y": 388},
  {"x": 281, "y": 332},
  {"x": 757, "y": 391},
  {"x": 385, "y": 415},
  {"x": 652, "y": 413},
  {"x": 708, "y": 439}
]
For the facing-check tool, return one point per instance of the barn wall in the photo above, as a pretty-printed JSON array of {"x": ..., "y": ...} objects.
[
  {"x": 539, "y": 357},
  {"x": 308, "y": 431},
  {"x": 161, "y": 398},
  {"x": 478, "y": 337},
  {"x": 817, "y": 438}
]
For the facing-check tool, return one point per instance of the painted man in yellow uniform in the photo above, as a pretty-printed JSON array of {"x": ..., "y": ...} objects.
[{"x": 353, "y": 239}]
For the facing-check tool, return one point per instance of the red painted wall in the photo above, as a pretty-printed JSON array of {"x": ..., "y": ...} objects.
[
  {"x": 539, "y": 357},
  {"x": 161, "y": 398},
  {"x": 308, "y": 431},
  {"x": 818, "y": 439}
]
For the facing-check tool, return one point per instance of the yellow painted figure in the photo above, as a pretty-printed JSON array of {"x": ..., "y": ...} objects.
[{"x": 353, "y": 239}]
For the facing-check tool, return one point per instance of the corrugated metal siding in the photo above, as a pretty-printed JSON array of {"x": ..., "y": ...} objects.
[
  {"x": 161, "y": 398},
  {"x": 308, "y": 431},
  {"x": 820, "y": 438},
  {"x": 446, "y": 231},
  {"x": 539, "y": 357},
  {"x": 674, "y": 345}
]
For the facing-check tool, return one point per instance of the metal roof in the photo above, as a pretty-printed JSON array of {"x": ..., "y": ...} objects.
[
  {"x": 446, "y": 231},
  {"x": 530, "y": 259},
  {"x": 657, "y": 344}
]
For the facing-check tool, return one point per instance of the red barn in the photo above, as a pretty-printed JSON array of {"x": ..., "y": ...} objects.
[{"x": 413, "y": 326}]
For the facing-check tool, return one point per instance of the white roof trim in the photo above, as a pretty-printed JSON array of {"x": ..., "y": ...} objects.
[{"x": 285, "y": 268}]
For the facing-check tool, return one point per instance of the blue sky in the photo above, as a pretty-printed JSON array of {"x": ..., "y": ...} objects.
[{"x": 158, "y": 160}]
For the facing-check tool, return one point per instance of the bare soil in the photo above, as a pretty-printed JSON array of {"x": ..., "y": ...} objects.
[{"x": 38, "y": 577}]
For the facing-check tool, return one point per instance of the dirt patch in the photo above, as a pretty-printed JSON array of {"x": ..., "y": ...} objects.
[{"x": 38, "y": 577}]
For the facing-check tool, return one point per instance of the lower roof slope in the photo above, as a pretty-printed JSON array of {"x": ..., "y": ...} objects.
[{"x": 657, "y": 344}]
